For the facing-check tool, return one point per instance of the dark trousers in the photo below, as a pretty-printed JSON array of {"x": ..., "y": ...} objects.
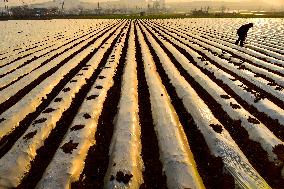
[{"x": 241, "y": 40}]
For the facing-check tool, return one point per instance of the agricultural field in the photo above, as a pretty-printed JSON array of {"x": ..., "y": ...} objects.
[{"x": 149, "y": 104}]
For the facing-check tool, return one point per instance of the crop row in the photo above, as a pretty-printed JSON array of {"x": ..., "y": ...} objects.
[{"x": 142, "y": 104}]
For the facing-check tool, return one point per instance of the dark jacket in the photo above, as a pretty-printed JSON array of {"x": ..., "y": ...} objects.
[{"x": 243, "y": 30}]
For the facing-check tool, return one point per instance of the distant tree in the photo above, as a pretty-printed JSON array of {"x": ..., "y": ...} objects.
[
  {"x": 223, "y": 9},
  {"x": 207, "y": 9}
]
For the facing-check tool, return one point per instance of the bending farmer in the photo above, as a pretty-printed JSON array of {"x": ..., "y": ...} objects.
[{"x": 242, "y": 32}]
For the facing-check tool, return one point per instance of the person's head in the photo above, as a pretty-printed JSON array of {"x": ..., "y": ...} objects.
[{"x": 250, "y": 24}]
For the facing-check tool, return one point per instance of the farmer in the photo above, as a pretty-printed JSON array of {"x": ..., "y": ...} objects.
[{"x": 242, "y": 32}]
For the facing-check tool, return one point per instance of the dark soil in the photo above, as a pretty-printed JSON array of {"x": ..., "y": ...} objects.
[
  {"x": 69, "y": 147},
  {"x": 270, "y": 123},
  {"x": 77, "y": 127},
  {"x": 41, "y": 120},
  {"x": 21, "y": 93},
  {"x": 48, "y": 110},
  {"x": 217, "y": 128},
  {"x": 210, "y": 168},
  {"x": 53, "y": 57},
  {"x": 253, "y": 150},
  {"x": 250, "y": 62},
  {"x": 253, "y": 120},
  {"x": 121, "y": 177},
  {"x": 92, "y": 97},
  {"x": 279, "y": 151},
  {"x": 51, "y": 144},
  {"x": 30, "y": 135},
  {"x": 35, "y": 58},
  {"x": 153, "y": 175},
  {"x": 97, "y": 160},
  {"x": 243, "y": 80},
  {"x": 7, "y": 141}
]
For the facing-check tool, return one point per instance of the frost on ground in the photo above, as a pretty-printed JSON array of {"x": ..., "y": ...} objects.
[{"x": 167, "y": 103}]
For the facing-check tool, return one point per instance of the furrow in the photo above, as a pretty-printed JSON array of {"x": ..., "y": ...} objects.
[
  {"x": 30, "y": 102},
  {"x": 175, "y": 155},
  {"x": 19, "y": 90},
  {"x": 32, "y": 62},
  {"x": 143, "y": 103},
  {"x": 125, "y": 163},
  {"x": 152, "y": 174},
  {"x": 220, "y": 143},
  {"x": 267, "y": 73},
  {"x": 260, "y": 85},
  {"x": 210, "y": 168},
  {"x": 231, "y": 38},
  {"x": 262, "y": 52},
  {"x": 264, "y": 48},
  {"x": 16, "y": 56},
  {"x": 270, "y": 75},
  {"x": 235, "y": 119},
  {"x": 271, "y": 112},
  {"x": 33, "y": 151},
  {"x": 250, "y": 55},
  {"x": 273, "y": 65},
  {"x": 270, "y": 52},
  {"x": 35, "y": 47},
  {"x": 107, "y": 92},
  {"x": 35, "y": 68},
  {"x": 270, "y": 47}
]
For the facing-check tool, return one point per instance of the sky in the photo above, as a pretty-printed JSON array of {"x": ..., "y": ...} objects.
[{"x": 272, "y": 2}]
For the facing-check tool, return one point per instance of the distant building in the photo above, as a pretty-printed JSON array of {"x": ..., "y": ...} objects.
[
  {"x": 162, "y": 3},
  {"x": 21, "y": 11},
  {"x": 133, "y": 4},
  {"x": 156, "y": 4}
]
